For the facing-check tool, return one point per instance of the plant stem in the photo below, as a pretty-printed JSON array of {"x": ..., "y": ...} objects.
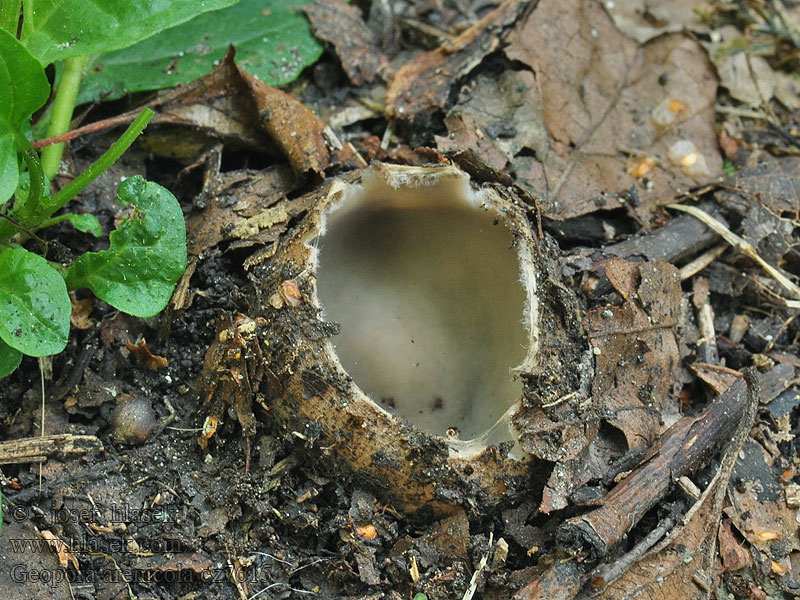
[
  {"x": 9, "y": 15},
  {"x": 117, "y": 149},
  {"x": 24, "y": 211},
  {"x": 63, "y": 105}
]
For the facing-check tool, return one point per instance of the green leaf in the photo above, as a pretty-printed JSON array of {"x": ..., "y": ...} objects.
[
  {"x": 9, "y": 359},
  {"x": 24, "y": 90},
  {"x": 57, "y": 29},
  {"x": 85, "y": 222},
  {"x": 272, "y": 37},
  {"x": 146, "y": 257},
  {"x": 34, "y": 304},
  {"x": 22, "y": 80},
  {"x": 9, "y": 169}
]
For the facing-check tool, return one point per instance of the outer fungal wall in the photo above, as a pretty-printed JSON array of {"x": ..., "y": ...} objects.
[{"x": 418, "y": 303}]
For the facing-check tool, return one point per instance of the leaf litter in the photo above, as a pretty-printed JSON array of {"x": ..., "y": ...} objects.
[{"x": 603, "y": 114}]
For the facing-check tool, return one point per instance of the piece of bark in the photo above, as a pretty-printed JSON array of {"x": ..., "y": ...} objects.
[
  {"x": 561, "y": 581},
  {"x": 38, "y": 449},
  {"x": 424, "y": 85},
  {"x": 684, "y": 447},
  {"x": 679, "y": 239},
  {"x": 341, "y": 24}
]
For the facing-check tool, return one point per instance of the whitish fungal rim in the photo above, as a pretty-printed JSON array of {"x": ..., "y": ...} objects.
[{"x": 432, "y": 281}]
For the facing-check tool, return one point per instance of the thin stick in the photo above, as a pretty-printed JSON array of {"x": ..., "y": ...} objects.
[
  {"x": 681, "y": 450},
  {"x": 473, "y": 584},
  {"x": 41, "y": 432},
  {"x": 727, "y": 464},
  {"x": 117, "y": 149},
  {"x": 707, "y": 345},
  {"x": 38, "y": 449},
  {"x": 607, "y": 574},
  {"x": 701, "y": 262},
  {"x": 742, "y": 245}
]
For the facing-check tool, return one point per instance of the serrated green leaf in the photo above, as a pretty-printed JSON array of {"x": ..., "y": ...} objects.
[
  {"x": 9, "y": 359},
  {"x": 34, "y": 304},
  {"x": 146, "y": 257},
  {"x": 57, "y": 29},
  {"x": 273, "y": 42}
]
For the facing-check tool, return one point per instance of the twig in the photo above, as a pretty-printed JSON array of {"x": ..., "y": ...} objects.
[
  {"x": 739, "y": 112},
  {"x": 473, "y": 583},
  {"x": 707, "y": 346},
  {"x": 701, "y": 262},
  {"x": 607, "y": 574},
  {"x": 38, "y": 449},
  {"x": 683, "y": 448},
  {"x": 122, "y": 119},
  {"x": 744, "y": 247},
  {"x": 727, "y": 463}
]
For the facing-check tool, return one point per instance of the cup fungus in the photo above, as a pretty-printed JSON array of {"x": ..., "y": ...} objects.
[{"x": 416, "y": 308}]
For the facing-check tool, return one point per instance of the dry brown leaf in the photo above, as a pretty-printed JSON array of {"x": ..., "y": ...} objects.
[
  {"x": 598, "y": 90},
  {"x": 65, "y": 557},
  {"x": 81, "y": 309},
  {"x": 759, "y": 508},
  {"x": 718, "y": 377},
  {"x": 635, "y": 347},
  {"x": 423, "y": 86},
  {"x": 643, "y": 20},
  {"x": 734, "y": 555},
  {"x": 341, "y": 24},
  {"x": 464, "y": 134},
  {"x": 293, "y": 126},
  {"x": 749, "y": 79},
  {"x": 228, "y": 205},
  {"x": 497, "y": 116},
  {"x": 228, "y": 104},
  {"x": 623, "y": 275},
  {"x": 216, "y": 107},
  {"x": 144, "y": 357}
]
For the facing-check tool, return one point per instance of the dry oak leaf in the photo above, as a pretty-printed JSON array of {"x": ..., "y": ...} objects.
[{"x": 212, "y": 109}]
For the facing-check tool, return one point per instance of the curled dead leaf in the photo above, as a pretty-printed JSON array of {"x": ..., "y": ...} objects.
[
  {"x": 290, "y": 292},
  {"x": 65, "y": 557},
  {"x": 144, "y": 357},
  {"x": 81, "y": 309}
]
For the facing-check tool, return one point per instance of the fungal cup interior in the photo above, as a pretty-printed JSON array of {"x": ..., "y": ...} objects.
[{"x": 425, "y": 281}]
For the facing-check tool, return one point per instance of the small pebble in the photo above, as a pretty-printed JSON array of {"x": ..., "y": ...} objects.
[{"x": 133, "y": 421}]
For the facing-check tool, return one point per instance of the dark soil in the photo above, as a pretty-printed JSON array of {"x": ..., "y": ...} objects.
[{"x": 154, "y": 516}]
